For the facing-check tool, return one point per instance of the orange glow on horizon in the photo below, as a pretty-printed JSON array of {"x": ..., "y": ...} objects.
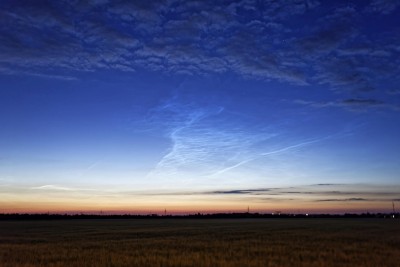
[{"x": 160, "y": 209}]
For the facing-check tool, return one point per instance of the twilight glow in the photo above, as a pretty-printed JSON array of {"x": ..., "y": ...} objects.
[{"x": 199, "y": 106}]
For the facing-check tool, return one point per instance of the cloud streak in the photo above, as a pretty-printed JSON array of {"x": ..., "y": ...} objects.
[
  {"x": 50, "y": 187},
  {"x": 343, "y": 199},
  {"x": 307, "y": 193},
  {"x": 352, "y": 104},
  {"x": 273, "y": 152}
]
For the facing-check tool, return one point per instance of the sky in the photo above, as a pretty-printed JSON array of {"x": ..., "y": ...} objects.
[{"x": 199, "y": 106}]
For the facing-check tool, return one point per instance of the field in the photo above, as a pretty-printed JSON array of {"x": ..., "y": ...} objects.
[{"x": 213, "y": 242}]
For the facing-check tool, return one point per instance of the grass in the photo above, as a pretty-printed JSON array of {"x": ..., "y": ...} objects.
[{"x": 216, "y": 242}]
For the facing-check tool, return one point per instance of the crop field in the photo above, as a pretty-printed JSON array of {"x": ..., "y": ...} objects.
[{"x": 201, "y": 242}]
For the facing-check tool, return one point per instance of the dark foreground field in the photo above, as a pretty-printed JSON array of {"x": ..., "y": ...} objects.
[{"x": 218, "y": 242}]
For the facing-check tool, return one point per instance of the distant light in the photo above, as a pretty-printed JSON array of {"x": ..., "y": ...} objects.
[
  {"x": 393, "y": 216},
  {"x": 306, "y": 214}
]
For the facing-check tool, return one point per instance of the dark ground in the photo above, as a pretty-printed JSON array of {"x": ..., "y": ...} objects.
[{"x": 200, "y": 242}]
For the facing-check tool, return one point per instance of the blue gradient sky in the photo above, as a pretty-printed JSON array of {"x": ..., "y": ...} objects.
[{"x": 192, "y": 106}]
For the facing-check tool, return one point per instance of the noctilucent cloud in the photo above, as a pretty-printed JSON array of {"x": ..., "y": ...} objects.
[{"x": 199, "y": 106}]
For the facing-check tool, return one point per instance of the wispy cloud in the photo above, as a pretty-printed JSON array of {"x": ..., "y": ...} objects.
[
  {"x": 201, "y": 142},
  {"x": 252, "y": 40},
  {"x": 307, "y": 193},
  {"x": 343, "y": 199},
  {"x": 352, "y": 104},
  {"x": 50, "y": 187},
  {"x": 322, "y": 192},
  {"x": 208, "y": 142},
  {"x": 273, "y": 152},
  {"x": 382, "y": 6},
  {"x": 243, "y": 191}
]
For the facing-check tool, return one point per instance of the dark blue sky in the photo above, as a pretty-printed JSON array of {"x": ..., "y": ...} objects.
[{"x": 187, "y": 103}]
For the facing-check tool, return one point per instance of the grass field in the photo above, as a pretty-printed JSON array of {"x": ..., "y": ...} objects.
[{"x": 216, "y": 242}]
